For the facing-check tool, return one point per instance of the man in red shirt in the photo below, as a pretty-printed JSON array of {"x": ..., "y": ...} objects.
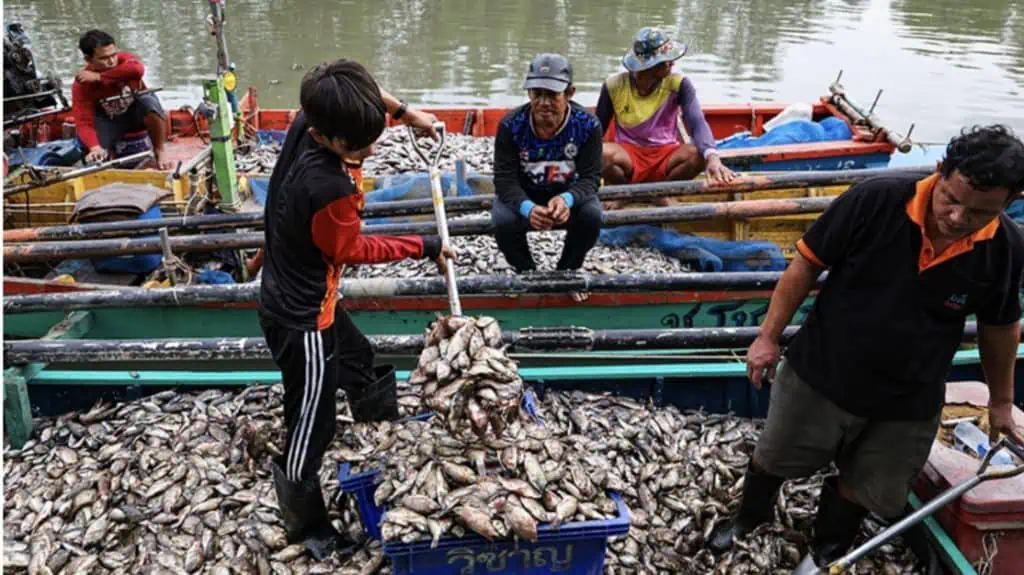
[{"x": 103, "y": 126}]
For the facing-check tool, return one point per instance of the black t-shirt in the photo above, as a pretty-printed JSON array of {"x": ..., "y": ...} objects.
[{"x": 881, "y": 336}]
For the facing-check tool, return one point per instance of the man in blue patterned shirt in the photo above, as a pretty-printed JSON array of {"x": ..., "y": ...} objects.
[{"x": 547, "y": 168}]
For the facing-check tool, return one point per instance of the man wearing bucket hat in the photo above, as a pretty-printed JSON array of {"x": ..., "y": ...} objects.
[
  {"x": 547, "y": 168},
  {"x": 644, "y": 103}
]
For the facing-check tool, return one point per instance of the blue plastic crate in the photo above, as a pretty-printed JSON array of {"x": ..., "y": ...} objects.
[
  {"x": 363, "y": 485},
  {"x": 576, "y": 548}
]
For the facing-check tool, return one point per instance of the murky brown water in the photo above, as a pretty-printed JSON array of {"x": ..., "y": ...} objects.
[{"x": 941, "y": 63}]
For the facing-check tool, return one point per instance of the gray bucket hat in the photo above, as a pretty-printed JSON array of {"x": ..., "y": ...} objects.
[{"x": 652, "y": 46}]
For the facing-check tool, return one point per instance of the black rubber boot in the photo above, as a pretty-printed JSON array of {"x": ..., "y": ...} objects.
[
  {"x": 836, "y": 524},
  {"x": 376, "y": 400},
  {"x": 757, "y": 507},
  {"x": 916, "y": 538},
  {"x": 305, "y": 516}
]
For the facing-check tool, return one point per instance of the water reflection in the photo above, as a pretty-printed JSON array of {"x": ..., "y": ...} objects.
[
  {"x": 959, "y": 32},
  {"x": 475, "y": 52}
]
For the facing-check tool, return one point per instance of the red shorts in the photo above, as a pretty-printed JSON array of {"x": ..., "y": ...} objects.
[{"x": 649, "y": 163}]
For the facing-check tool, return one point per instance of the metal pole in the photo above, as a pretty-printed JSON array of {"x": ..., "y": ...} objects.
[
  {"x": 440, "y": 219},
  {"x": 17, "y": 121},
  {"x": 20, "y": 188},
  {"x": 840, "y": 565},
  {"x": 525, "y": 284},
  {"x": 452, "y": 204},
  {"x": 30, "y": 96},
  {"x": 46, "y": 251},
  {"x": 569, "y": 338},
  {"x": 130, "y": 95}
]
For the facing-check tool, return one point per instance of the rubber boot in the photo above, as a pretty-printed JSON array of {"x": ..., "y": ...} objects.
[
  {"x": 916, "y": 538},
  {"x": 757, "y": 507},
  {"x": 836, "y": 525},
  {"x": 377, "y": 400},
  {"x": 305, "y": 516}
]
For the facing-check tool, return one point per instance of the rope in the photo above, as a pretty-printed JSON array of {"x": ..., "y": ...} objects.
[{"x": 984, "y": 565}]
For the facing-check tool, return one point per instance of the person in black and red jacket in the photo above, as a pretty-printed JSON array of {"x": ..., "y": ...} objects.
[{"x": 312, "y": 224}]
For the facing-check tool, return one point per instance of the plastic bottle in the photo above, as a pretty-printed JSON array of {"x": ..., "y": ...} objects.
[{"x": 969, "y": 438}]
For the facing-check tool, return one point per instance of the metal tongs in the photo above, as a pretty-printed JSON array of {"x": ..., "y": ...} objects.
[
  {"x": 439, "y": 214},
  {"x": 982, "y": 475}
]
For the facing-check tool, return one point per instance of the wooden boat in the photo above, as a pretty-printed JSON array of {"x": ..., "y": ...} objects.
[
  {"x": 54, "y": 380},
  {"x": 712, "y": 387},
  {"x": 692, "y": 308},
  {"x": 655, "y": 301},
  {"x": 870, "y": 146},
  {"x": 381, "y": 307},
  {"x": 52, "y": 389}
]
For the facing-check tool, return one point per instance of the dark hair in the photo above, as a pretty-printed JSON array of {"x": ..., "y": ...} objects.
[
  {"x": 94, "y": 39},
  {"x": 342, "y": 100},
  {"x": 989, "y": 157}
]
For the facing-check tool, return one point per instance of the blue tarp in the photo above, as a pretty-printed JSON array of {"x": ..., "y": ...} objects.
[
  {"x": 137, "y": 264},
  {"x": 702, "y": 254},
  {"x": 794, "y": 132},
  {"x": 1016, "y": 211},
  {"x": 52, "y": 153},
  {"x": 404, "y": 187}
]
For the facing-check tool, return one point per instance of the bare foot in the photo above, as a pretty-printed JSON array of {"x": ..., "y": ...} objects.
[{"x": 579, "y": 296}]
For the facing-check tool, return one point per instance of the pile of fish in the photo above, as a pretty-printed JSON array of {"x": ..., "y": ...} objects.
[
  {"x": 254, "y": 158},
  {"x": 168, "y": 483},
  {"x": 394, "y": 154},
  {"x": 435, "y": 483},
  {"x": 180, "y": 483},
  {"x": 479, "y": 464},
  {"x": 477, "y": 255},
  {"x": 466, "y": 376},
  {"x": 680, "y": 474}
]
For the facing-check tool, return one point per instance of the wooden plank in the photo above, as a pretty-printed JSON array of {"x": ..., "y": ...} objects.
[
  {"x": 17, "y": 412},
  {"x": 17, "y": 409}
]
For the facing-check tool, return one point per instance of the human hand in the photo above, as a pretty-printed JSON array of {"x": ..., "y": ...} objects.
[
  {"x": 717, "y": 171},
  {"x": 88, "y": 76},
  {"x": 1000, "y": 421},
  {"x": 558, "y": 210},
  {"x": 762, "y": 358},
  {"x": 540, "y": 218},
  {"x": 420, "y": 120},
  {"x": 162, "y": 162},
  {"x": 96, "y": 154},
  {"x": 447, "y": 254}
]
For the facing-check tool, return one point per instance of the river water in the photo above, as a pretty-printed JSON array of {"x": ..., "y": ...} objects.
[{"x": 941, "y": 63}]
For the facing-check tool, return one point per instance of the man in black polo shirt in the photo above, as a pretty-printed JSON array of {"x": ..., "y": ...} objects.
[{"x": 863, "y": 381}]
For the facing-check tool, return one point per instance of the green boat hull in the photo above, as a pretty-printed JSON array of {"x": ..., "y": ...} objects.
[{"x": 172, "y": 322}]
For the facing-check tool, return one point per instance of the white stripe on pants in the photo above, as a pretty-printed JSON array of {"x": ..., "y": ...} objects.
[{"x": 314, "y": 353}]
